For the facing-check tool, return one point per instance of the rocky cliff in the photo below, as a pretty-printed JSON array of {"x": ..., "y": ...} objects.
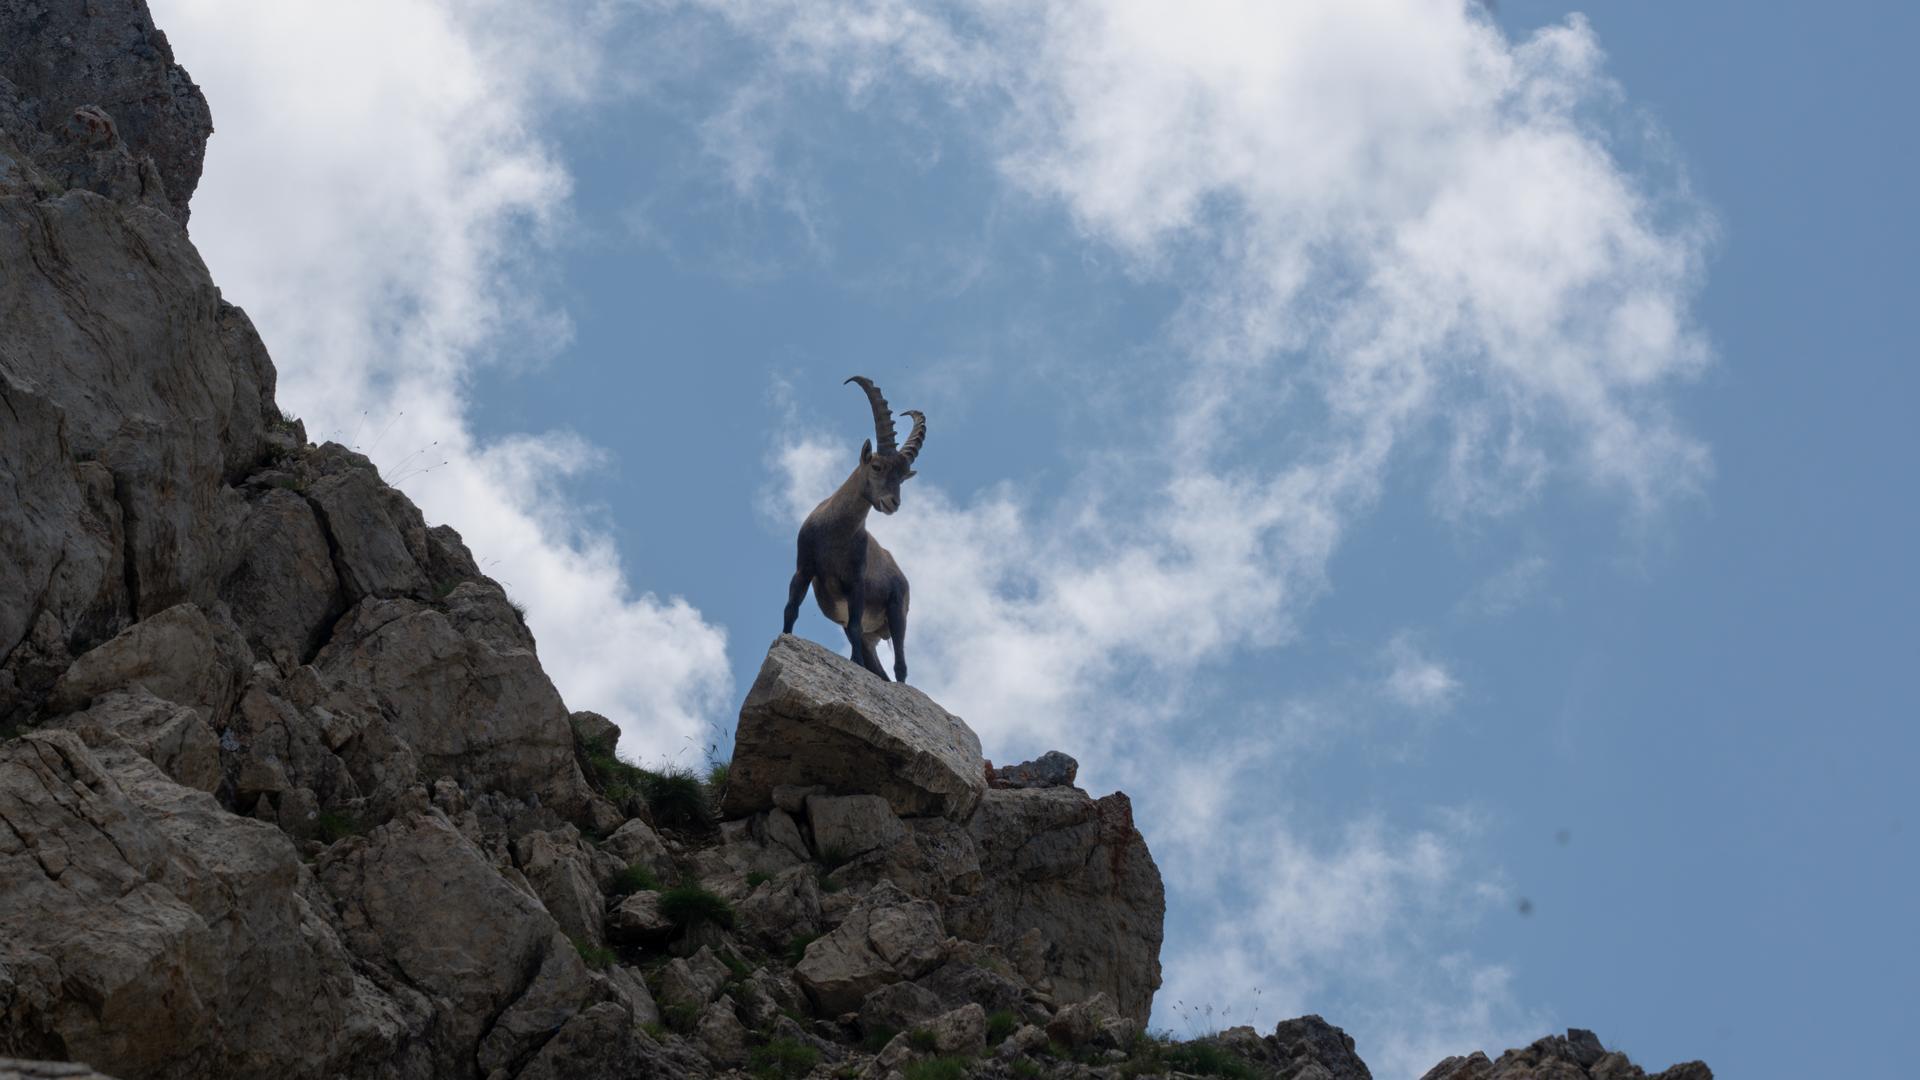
[{"x": 286, "y": 792}]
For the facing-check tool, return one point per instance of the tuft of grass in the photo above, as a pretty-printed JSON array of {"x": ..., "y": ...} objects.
[
  {"x": 655, "y": 1030},
  {"x": 797, "y": 948},
  {"x": 940, "y": 1068},
  {"x": 681, "y": 1016},
  {"x": 519, "y": 608},
  {"x": 1025, "y": 1069},
  {"x": 635, "y": 878},
  {"x": 877, "y": 1038},
  {"x": 783, "y": 1059},
  {"x": 1000, "y": 1024},
  {"x": 827, "y": 884},
  {"x": 677, "y": 798},
  {"x": 717, "y": 776},
  {"x": 336, "y": 825},
  {"x": 597, "y": 957},
  {"x": 688, "y": 906},
  {"x": 833, "y": 858},
  {"x": 612, "y": 777},
  {"x": 922, "y": 1040},
  {"x": 757, "y": 879},
  {"x": 738, "y": 967},
  {"x": 1206, "y": 1059}
]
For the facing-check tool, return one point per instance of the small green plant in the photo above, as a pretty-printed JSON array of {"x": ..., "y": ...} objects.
[
  {"x": 681, "y": 1016},
  {"x": 336, "y": 825},
  {"x": 940, "y": 1068},
  {"x": 597, "y": 957},
  {"x": 738, "y": 967},
  {"x": 922, "y": 1041},
  {"x": 677, "y": 798},
  {"x": 612, "y": 777},
  {"x": 633, "y": 879},
  {"x": 1000, "y": 1024},
  {"x": 757, "y": 879},
  {"x": 717, "y": 776},
  {"x": 783, "y": 1059},
  {"x": 877, "y": 1037},
  {"x": 797, "y": 948},
  {"x": 688, "y": 906},
  {"x": 655, "y": 1030},
  {"x": 833, "y": 858},
  {"x": 826, "y": 880},
  {"x": 1025, "y": 1069}
]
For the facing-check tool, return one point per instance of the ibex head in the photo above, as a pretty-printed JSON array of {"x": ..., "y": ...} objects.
[{"x": 884, "y": 469}]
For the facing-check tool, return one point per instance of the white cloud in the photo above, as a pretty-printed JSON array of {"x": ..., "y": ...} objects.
[
  {"x": 1416, "y": 680},
  {"x": 1277, "y": 925},
  {"x": 373, "y": 192},
  {"x": 1508, "y": 590}
]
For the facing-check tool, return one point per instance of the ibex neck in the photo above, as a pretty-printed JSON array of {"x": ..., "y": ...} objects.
[{"x": 846, "y": 509}]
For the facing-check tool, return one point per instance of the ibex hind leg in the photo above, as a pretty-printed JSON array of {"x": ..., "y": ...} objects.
[{"x": 873, "y": 650}]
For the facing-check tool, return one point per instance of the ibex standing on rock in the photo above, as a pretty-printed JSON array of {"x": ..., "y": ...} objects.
[{"x": 855, "y": 580}]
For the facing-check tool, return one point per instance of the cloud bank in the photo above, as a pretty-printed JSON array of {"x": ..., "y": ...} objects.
[{"x": 377, "y": 198}]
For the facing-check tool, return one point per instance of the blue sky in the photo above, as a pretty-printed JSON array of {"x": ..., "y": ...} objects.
[{"x": 1451, "y": 470}]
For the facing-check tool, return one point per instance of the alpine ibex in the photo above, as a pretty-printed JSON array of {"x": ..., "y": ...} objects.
[{"x": 855, "y": 580}]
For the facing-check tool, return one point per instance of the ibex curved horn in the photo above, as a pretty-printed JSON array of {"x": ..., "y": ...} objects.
[
  {"x": 882, "y": 415},
  {"x": 915, "y": 437}
]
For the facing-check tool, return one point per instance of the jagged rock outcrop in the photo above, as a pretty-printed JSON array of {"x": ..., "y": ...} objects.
[
  {"x": 1577, "y": 1055},
  {"x": 810, "y": 720},
  {"x": 285, "y": 792}
]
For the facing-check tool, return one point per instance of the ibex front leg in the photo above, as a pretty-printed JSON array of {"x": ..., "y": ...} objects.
[{"x": 897, "y": 626}]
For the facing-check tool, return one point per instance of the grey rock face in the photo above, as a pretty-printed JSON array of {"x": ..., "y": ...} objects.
[
  {"x": 468, "y": 699},
  {"x": 815, "y": 718},
  {"x": 560, "y": 869},
  {"x": 1075, "y": 869},
  {"x": 62, "y": 55},
  {"x": 850, "y": 825},
  {"x": 1578, "y": 1055},
  {"x": 173, "y": 737},
  {"x": 1051, "y": 769},
  {"x": 1310, "y": 1042},
  {"x": 148, "y": 931},
  {"x": 888, "y": 937},
  {"x": 178, "y": 655},
  {"x": 426, "y": 909},
  {"x": 282, "y": 589}
]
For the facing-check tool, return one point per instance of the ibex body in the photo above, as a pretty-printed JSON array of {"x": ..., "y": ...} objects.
[{"x": 855, "y": 580}]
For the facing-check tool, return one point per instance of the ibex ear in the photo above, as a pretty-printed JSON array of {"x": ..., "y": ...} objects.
[{"x": 866, "y": 451}]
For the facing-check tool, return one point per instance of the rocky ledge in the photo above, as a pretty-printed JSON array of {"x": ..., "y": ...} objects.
[{"x": 285, "y": 792}]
